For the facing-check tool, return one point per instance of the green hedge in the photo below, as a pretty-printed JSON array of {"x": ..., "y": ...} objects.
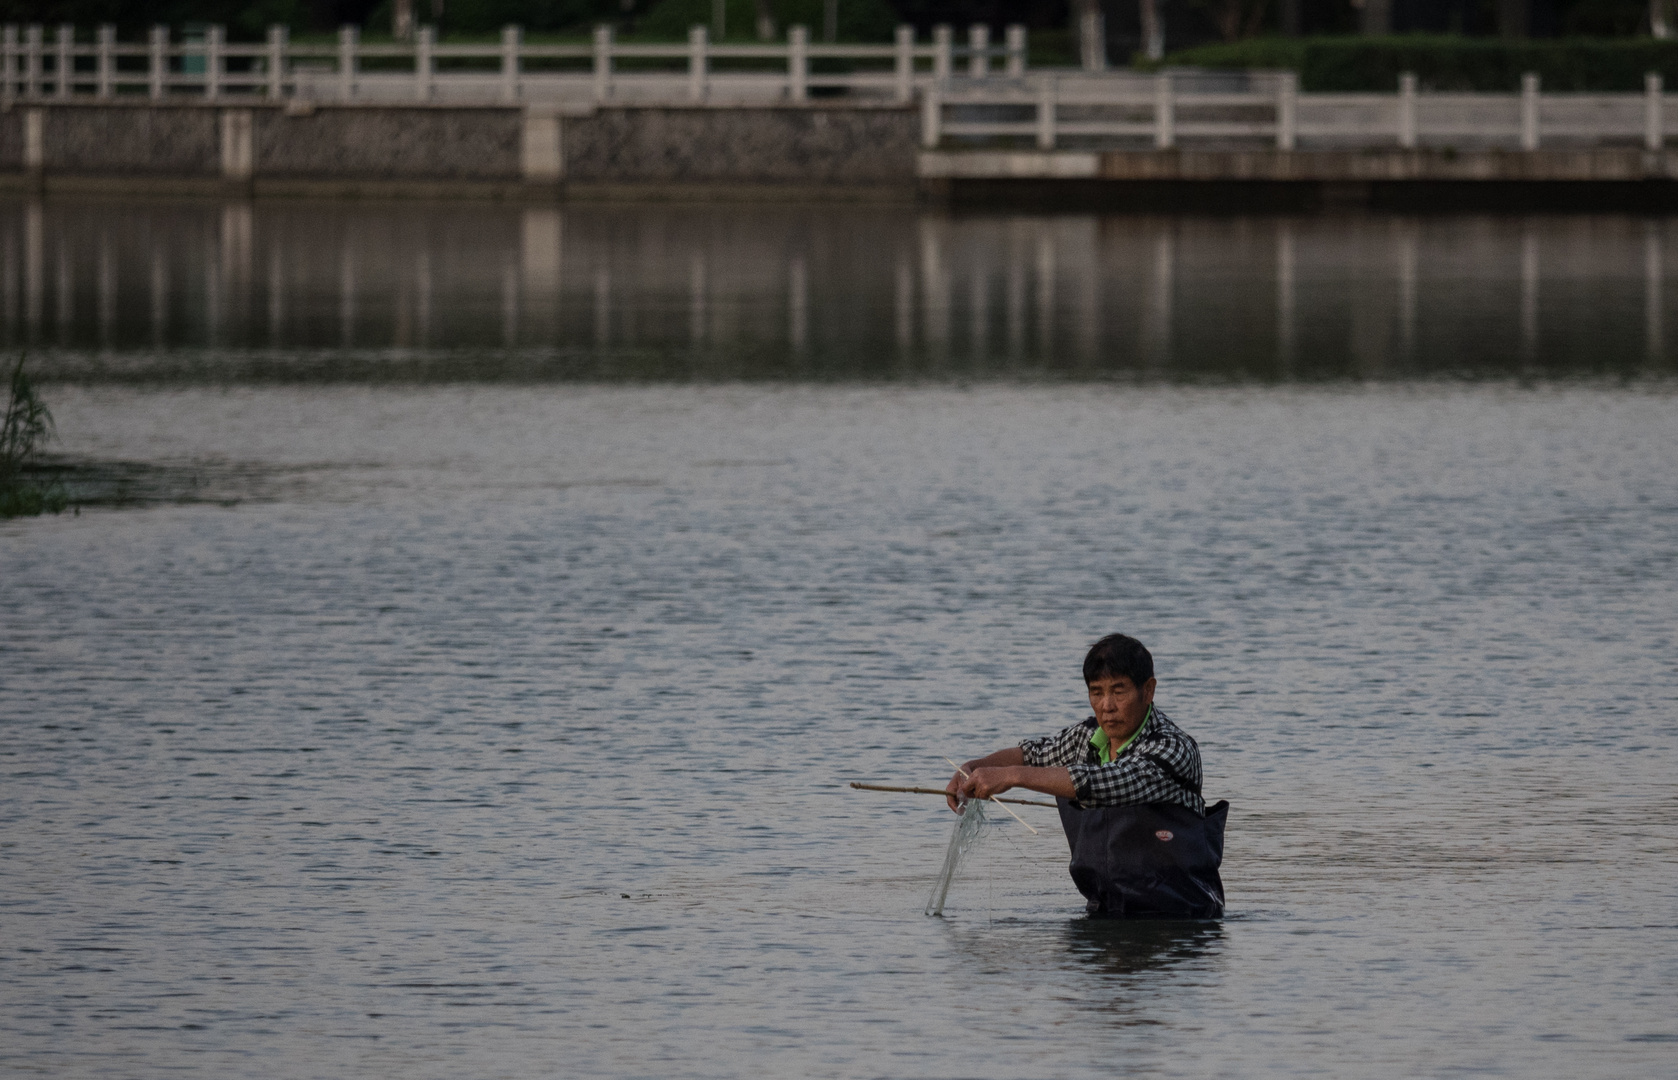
[{"x": 1447, "y": 63}]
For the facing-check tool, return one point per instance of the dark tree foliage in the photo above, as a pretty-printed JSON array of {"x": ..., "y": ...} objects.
[
  {"x": 858, "y": 20},
  {"x": 243, "y": 18},
  {"x": 1444, "y": 63},
  {"x": 1036, "y": 14},
  {"x": 480, "y": 17},
  {"x": 1188, "y": 22}
]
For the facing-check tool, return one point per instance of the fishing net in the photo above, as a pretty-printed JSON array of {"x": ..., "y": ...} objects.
[{"x": 962, "y": 839}]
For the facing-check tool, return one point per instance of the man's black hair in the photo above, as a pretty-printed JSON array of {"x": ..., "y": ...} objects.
[{"x": 1119, "y": 654}]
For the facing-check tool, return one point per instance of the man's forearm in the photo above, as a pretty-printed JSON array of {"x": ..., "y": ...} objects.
[
  {"x": 984, "y": 777},
  {"x": 1016, "y": 773},
  {"x": 1055, "y": 781},
  {"x": 1011, "y": 755}
]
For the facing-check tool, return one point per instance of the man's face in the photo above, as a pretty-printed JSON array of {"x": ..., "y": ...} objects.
[{"x": 1120, "y": 705}]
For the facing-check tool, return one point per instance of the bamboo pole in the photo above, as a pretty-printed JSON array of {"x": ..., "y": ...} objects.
[{"x": 941, "y": 791}]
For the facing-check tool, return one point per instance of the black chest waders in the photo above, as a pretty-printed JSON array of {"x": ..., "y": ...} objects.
[{"x": 1157, "y": 861}]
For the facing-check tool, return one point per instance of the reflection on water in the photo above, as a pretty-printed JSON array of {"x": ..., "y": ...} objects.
[
  {"x": 1105, "y": 958},
  {"x": 115, "y": 290},
  {"x": 1118, "y": 950}
]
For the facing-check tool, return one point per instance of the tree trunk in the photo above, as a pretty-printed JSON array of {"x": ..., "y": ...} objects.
[
  {"x": 1092, "y": 34},
  {"x": 1153, "y": 30}
]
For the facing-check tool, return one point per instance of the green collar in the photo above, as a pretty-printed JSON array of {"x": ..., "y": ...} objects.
[{"x": 1100, "y": 741}]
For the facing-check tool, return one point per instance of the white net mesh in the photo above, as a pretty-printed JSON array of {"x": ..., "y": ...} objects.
[{"x": 966, "y": 833}]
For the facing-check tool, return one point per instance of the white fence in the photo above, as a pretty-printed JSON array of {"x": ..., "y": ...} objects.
[
  {"x": 1266, "y": 109},
  {"x": 510, "y": 71},
  {"x": 974, "y": 93}
]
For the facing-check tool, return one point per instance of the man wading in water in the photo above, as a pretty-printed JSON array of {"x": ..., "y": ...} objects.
[{"x": 1127, "y": 781}]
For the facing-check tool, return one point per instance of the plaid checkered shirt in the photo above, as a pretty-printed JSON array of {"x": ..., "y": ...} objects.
[{"x": 1162, "y": 764}]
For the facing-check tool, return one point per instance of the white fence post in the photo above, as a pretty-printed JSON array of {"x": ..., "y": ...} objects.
[
  {"x": 424, "y": 39},
  {"x": 978, "y": 57},
  {"x": 1287, "y": 110},
  {"x": 1016, "y": 51},
  {"x": 64, "y": 64},
  {"x": 697, "y": 39},
  {"x": 1654, "y": 124},
  {"x": 8, "y": 64},
  {"x": 158, "y": 62},
  {"x": 1165, "y": 112},
  {"x": 214, "y": 36},
  {"x": 32, "y": 60},
  {"x": 1529, "y": 111},
  {"x": 1047, "y": 93},
  {"x": 602, "y": 62},
  {"x": 107, "y": 38},
  {"x": 278, "y": 37},
  {"x": 905, "y": 64},
  {"x": 798, "y": 63},
  {"x": 1407, "y": 110},
  {"x": 511, "y": 37},
  {"x": 941, "y": 54},
  {"x": 348, "y": 37},
  {"x": 932, "y": 115}
]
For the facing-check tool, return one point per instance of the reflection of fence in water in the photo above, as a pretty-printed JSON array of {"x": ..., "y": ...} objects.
[{"x": 867, "y": 291}]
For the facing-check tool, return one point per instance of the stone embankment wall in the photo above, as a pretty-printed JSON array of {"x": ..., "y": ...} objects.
[
  {"x": 804, "y": 151},
  {"x": 458, "y": 150}
]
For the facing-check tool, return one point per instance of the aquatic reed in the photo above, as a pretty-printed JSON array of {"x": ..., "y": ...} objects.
[{"x": 27, "y": 427}]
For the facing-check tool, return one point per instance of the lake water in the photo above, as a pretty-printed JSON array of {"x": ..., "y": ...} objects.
[
  {"x": 409, "y": 292},
  {"x": 499, "y": 723}
]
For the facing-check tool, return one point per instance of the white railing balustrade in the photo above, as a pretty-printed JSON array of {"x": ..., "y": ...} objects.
[
  {"x": 977, "y": 94},
  {"x": 512, "y": 70},
  {"x": 1117, "y": 110}
]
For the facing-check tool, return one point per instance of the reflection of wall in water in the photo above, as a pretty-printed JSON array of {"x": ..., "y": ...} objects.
[{"x": 728, "y": 291}]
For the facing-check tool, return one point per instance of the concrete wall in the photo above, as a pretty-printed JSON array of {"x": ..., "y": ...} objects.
[
  {"x": 153, "y": 142},
  {"x": 788, "y": 145},
  {"x": 492, "y": 147},
  {"x": 11, "y": 140},
  {"x": 388, "y": 144},
  {"x": 816, "y": 150}
]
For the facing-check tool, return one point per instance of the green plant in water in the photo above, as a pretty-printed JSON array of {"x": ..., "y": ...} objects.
[{"x": 27, "y": 427}]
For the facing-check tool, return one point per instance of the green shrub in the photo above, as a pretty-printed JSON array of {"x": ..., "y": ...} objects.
[
  {"x": 32, "y": 500},
  {"x": 1447, "y": 63}
]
